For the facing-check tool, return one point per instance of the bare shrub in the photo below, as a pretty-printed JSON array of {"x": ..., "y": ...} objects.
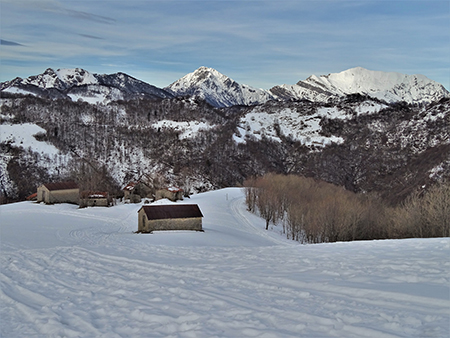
[{"x": 315, "y": 211}]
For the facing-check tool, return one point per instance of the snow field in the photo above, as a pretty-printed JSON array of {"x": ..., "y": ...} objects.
[
  {"x": 22, "y": 135},
  {"x": 188, "y": 129},
  {"x": 303, "y": 128},
  {"x": 69, "y": 272}
]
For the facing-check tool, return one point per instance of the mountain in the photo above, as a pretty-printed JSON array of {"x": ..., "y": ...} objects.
[
  {"x": 79, "y": 84},
  {"x": 220, "y": 91},
  {"x": 217, "y": 89},
  {"x": 356, "y": 141},
  {"x": 387, "y": 86}
]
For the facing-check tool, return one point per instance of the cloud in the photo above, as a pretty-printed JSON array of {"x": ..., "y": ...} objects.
[
  {"x": 91, "y": 36},
  {"x": 9, "y": 43},
  {"x": 57, "y": 7},
  {"x": 86, "y": 16}
]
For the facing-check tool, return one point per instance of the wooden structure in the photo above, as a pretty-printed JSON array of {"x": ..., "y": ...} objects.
[
  {"x": 59, "y": 192},
  {"x": 169, "y": 217},
  {"x": 94, "y": 199}
]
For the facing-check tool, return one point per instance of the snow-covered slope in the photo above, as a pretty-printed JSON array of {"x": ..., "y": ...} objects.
[
  {"x": 387, "y": 86},
  {"x": 69, "y": 272},
  {"x": 299, "y": 123},
  {"x": 79, "y": 84},
  {"x": 217, "y": 89}
]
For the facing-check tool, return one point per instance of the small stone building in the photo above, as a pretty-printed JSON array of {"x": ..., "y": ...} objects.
[
  {"x": 135, "y": 191},
  {"x": 172, "y": 193},
  {"x": 59, "y": 192},
  {"x": 94, "y": 199},
  {"x": 169, "y": 217}
]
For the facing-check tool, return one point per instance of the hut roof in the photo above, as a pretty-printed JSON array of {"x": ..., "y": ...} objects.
[
  {"x": 174, "y": 189},
  {"x": 93, "y": 194},
  {"x": 172, "y": 211},
  {"x": 32, "y": 196},
  {"x": 61, "y": 185},
  {"x": 130, "y": 186}
]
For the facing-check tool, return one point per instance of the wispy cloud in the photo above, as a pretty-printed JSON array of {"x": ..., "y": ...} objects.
[
  {"x": 91, "y": 36},
  {"x": 9, "y": 43},
  {"x": 267, "y": 41}
]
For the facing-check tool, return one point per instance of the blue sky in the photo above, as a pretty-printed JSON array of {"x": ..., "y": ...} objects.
[{"x": 259, "y": 43}]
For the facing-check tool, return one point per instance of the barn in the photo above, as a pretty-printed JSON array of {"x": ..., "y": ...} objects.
[
  {"x": 59, "y": 192},
  {"x": 169, "y": 217}
]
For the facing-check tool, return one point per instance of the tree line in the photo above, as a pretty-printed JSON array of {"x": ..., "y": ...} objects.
[{"x": 313, "y": 211}]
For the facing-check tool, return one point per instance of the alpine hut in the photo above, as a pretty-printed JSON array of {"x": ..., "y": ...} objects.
[{"x": 169, "y": 217}]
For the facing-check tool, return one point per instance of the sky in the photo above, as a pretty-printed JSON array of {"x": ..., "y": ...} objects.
[{"x": 254, "y": 42}]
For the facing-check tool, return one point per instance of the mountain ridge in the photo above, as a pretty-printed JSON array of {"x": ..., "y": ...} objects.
[
  {"x": 221, "y": 91},
  {"x": 387, "y": 86},
  {"x": 78, "y": 84}
]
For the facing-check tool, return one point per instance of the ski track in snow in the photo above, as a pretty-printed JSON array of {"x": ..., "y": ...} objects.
[{"x": 84, "y": 273}]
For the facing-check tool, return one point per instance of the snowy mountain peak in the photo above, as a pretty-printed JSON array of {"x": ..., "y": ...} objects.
[
  {"x": 79, "y": 84},
  {"x": 387, "y": 86},
  {"x": 217, "y": 89},
  {"x": 60, "y": 79},
  {"x": 76, "y": 76}
]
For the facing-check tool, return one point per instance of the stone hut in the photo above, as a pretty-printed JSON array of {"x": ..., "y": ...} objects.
[
  {"x": 94, "y": 199},
  {"x": 134, "y": 191},
  {"x": 169, "y": 217},
  {"x": 171, "y": 193},
  {"x": 59, "y": 192}
]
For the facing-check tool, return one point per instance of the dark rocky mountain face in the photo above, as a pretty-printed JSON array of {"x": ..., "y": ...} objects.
[{"x": 357, "y": 142}]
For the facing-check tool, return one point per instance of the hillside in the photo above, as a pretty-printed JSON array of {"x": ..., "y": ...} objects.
[
  {"x": 359, "y": 143},
  {"x": 69, "y": 272},
  {"x": 107, "y": 130}
]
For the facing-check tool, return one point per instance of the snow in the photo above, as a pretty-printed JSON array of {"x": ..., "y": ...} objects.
[
  {"x": 69, "y": 272},
  {"x": 218, "y": 89},
  {"x": 22, "y": 135},
  {"x": 387, "y": 86},
  {"x": 291, "y": 123},
  {"x": 76, "y": 76},
  {"x": 15, "y": 90},
  {"x": 188, "y": 129},
  {"x": 55, "y": 78}
]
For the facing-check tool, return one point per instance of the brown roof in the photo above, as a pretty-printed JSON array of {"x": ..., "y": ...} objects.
[
  {"x": 61, "y": 185},
  {"x": 172, "y": 211}
]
